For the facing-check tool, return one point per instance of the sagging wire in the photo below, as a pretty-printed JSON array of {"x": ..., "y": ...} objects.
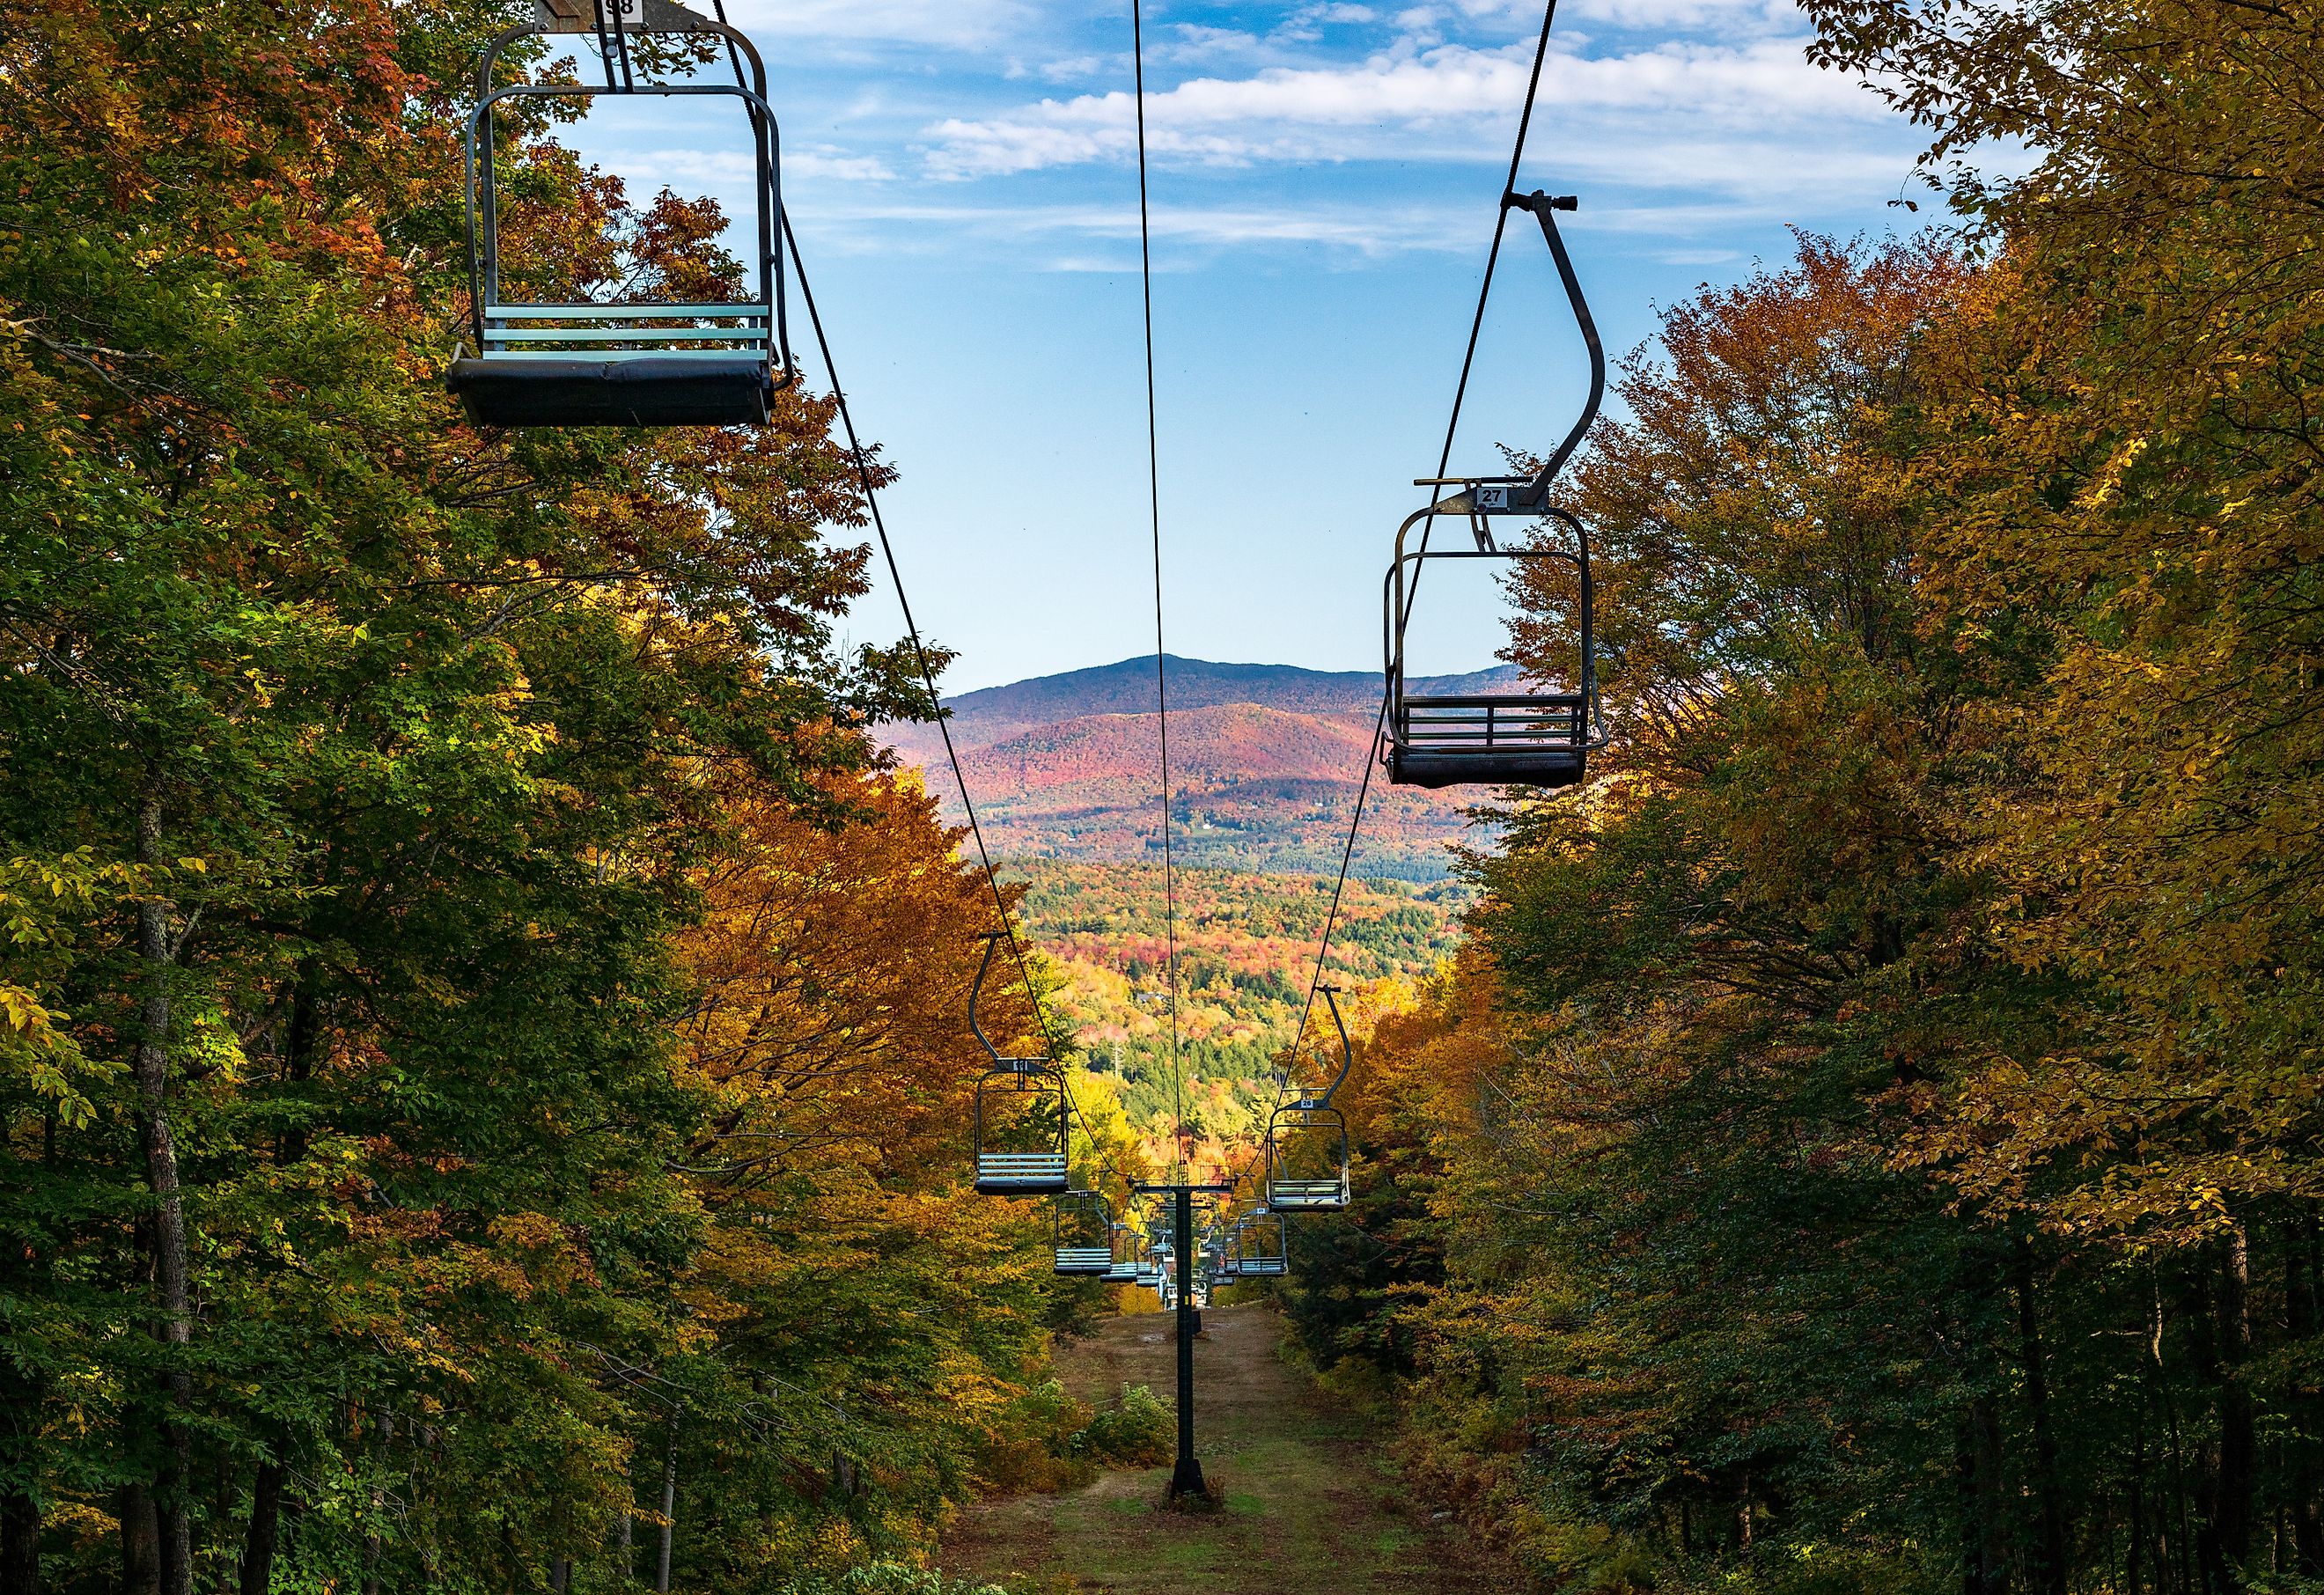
[{"x": 1444, "y": 462}]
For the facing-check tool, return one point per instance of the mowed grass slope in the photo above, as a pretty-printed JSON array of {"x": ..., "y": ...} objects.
[{"x": 1312, "y": 1506}]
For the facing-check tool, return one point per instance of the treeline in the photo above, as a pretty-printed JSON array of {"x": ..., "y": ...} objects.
[
  {"x": 1870, "y": 1142},
  {"x": 481, "y": 1064}
]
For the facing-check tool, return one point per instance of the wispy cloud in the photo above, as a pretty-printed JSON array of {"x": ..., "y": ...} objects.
[
  {"x": 1360, "y": 230},
  {"x": 1448, "y": 102},
  {"x": 1060, "y": 237},
  {"x": 956, "y": 23},
  {"x": 837, "y": 166}
]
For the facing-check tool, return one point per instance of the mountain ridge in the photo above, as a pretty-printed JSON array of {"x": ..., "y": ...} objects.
[
  {"x": 1267, "y": 761},
  {"x": 1127, "y": 687}
]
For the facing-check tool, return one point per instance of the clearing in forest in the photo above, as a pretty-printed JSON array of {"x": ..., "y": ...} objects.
[{"x": 1313, "y": 1505}]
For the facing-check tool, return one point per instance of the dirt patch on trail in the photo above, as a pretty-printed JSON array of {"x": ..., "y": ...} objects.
[{"x": 1313, "y": 1506}]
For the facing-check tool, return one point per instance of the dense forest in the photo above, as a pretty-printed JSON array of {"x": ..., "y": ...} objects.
[
  {"x": 1242, "y": 941},
  {"x": 483, "y": 1067},
  {"x": 1870, "y": 1139}
]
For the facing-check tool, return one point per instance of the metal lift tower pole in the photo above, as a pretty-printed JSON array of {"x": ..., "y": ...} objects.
[{"x": 1186, "y": 1478}]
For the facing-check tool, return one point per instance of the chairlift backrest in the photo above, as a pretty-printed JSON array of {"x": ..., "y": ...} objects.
[{"x": 623, "y": 362}]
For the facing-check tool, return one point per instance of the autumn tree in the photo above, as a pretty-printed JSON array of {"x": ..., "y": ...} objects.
[{"x": 368, "y": 775}]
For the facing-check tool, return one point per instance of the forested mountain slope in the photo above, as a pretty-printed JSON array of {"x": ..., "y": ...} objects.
[
  {"x": 1264, "y": 763},
  {"x": 1247, "y": 947}
]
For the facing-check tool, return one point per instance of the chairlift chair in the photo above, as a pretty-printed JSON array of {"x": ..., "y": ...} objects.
[
  {"x": 1122, "y": 1264},
  {"x": 1307, "y": 1160},
  {"x": 1082, "y": 1229},
  {"x": 1260, "y": 1250},
  {"x": 628, "y": 361},
  {"x": 1537, "y": 738},
  {"x": 1018, "y": 1100}
]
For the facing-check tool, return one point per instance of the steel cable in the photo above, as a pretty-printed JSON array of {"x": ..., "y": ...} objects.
[
  {"x": 1443, "y": 460},
  {"x": 1161, "y": 668}
]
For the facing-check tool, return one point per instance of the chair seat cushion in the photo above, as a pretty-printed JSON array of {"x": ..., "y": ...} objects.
[
  {"x": 629, "y": 391},
  {"x": 1546, "y": 767}
]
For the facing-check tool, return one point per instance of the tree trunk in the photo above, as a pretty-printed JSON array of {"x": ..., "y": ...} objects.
[
  {"x": 2050, "y": 1568},
  {"x": 305, "y": 1042},
  {"x": 2302, "y": 1320},
  {"x": 373, "y": 1545},
  {"x": 20, "y": 1543},
  {"x": 141, "y": 1541},
  {"x": 265, "y": 1519},
  {"x": 170, "y": 1283},
  {"x": 22, "y": 1398},
  {"x": 1971, "y": 1490},
  {"x": 2135, "y": 1534},
  {"x": 1988, "y": 1559},
  {"x": 668, "y": 1512},
  {"x": 2238, "y": 1435}
]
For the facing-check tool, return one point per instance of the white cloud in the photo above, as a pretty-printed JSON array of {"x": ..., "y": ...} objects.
[
  {"x": 831, "y": 164},
  {"x": 1673, "y": 15},
  {"x": 1448, "y": 102},
  {"x": 1359, "y": 230},
  {"x": 956, "y": 23}
]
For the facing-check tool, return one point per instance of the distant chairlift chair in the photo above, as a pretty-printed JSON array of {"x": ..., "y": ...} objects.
[
  {"x": 1307, "y": 1162},
  {"x": 1022, "y": 1119},
  {"x": 1123, "y": 1255},
  {"x": 625, "y": 362},
  {"x": 1260, "y": 1250},
  {"x": 1539, "y": 739},
  {"x": 1084, "y": 1232}
]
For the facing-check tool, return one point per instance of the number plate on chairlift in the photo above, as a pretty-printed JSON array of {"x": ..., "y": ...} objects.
[{"x": 583, "y": 16}]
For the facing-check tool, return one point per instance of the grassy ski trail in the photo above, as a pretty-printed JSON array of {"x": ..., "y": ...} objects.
[{"x": 1312, "y": 1507}]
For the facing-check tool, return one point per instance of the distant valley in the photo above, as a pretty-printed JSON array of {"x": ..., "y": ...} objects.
[{"x": 1264, "y": 761}]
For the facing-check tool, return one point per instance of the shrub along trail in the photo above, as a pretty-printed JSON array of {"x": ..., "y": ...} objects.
[{"x": 1312, "y": 1503}]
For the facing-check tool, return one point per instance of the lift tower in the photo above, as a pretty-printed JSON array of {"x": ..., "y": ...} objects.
[{"x": 1186, "y": 1477}]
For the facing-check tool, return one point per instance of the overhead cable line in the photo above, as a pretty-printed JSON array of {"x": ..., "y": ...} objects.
[
  {"x": 1444, "y": 461},
  {"x": 928, "y": 681},
  {"x": 1161, "y": 668}
]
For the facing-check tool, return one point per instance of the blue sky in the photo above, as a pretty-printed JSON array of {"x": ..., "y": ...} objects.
[{"x": 961, "y": 173}]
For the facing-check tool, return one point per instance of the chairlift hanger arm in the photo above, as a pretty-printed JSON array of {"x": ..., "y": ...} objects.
[
  {"x": 1529, "y": 495},
  {"x": 1543, "y": 207},
  {"x": 1323, "y": 1099},
  {"x": 973, "y": 991},
  {"x": 1043, "y": 1065}
]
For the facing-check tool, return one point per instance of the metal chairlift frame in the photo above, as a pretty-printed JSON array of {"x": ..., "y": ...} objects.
[
  {"x": 1265, "y": 1262},
  {"x": 1078, "y": 1258},
  {"x": 1120, "y": 1269},
  {"x": 637, "y": 363},
  {"x": 1046, "y": 1173},
  {"x": 1312, "y": 1115},
  {"x": 1523, "y": 738}
]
